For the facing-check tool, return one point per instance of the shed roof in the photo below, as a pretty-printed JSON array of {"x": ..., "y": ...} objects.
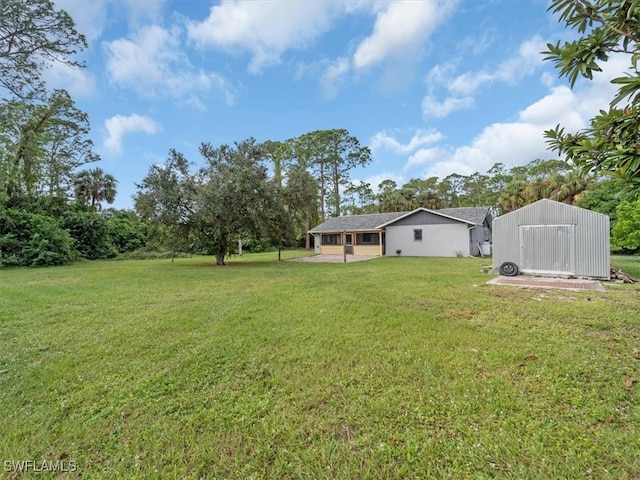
[
  {"x": 376, "y": 221},
  {"x": 548, "y": 204}
]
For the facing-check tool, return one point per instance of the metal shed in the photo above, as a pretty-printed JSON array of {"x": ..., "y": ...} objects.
[{"x": 552, "y": 238}]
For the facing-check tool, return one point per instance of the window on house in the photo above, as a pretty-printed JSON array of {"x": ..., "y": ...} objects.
[
  {"x": 332, "y": 239},
  {"x": 417, "y": 235},
  {"x": 367, "y": 239}
]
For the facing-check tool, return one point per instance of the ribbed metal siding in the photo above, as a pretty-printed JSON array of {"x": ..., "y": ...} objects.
[
  {"x": 593, "y": 244},
  {"x": 548, "y": 249},
  {"x": 591, "y": 237}
]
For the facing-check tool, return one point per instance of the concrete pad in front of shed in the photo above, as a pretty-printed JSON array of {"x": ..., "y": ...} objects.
[{"x": 548, "y": 282}]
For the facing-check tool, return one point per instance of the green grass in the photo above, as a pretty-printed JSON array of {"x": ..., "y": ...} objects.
[
  {"x": 627, "y": 263},
  {"x": 390, "y": 368}
]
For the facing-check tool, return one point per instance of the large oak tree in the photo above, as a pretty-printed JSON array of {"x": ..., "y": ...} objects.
[{"x": 231, "y": 195}]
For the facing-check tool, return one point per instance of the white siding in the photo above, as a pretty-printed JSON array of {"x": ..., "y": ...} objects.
[
  {"x": 316, "y": 243},
  {"x": 437, "y": 240}
]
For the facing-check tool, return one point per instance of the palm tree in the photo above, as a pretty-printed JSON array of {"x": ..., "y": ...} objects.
[
  {"x": 93, "y": 187},
  {"x": 572, "y": 187}
]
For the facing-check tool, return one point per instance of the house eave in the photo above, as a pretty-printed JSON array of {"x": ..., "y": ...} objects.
[
  {"x": 349, "y": 230},
  {"x": 422, "y": 209}
]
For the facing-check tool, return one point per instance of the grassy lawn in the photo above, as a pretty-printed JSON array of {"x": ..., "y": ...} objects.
[
  {"x": 390, "y": 368},
  {"x": 628, "y": 264}
]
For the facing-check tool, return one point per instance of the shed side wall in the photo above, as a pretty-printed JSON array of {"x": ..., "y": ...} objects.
[{"x": 593, "y": 245}]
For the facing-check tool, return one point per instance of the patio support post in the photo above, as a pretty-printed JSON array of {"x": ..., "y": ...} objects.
[{"x": 344, "y": 245}]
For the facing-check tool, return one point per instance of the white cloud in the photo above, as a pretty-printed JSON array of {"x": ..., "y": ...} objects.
[
  {"x": 460, "y": 89},
  {"x": 118, "y": 126},
  {"x": 139, "y": 12},
  {"x": 400, "y": 29},
  {"x": 520, "y": 142},
  {"x": 134, "y": 63},
  {"x": 333, "y": 77},
  {"x": 383, "y": 141},
  {"x": 264, "y": 29},
  {"x": 559, "y": 106},
  {"x": 153, "y": 63},
  {"x": 91, "y": 17},
  {"x": 509, "y": 143},
  {"x": 376, "y": 180},
  {"x": 468, "y": 83},
  {"x": 509, "y": 71},
  {"x": 76, "y": 81},
  {"x": 425, "y": 156},
  {"x": 432, "y": 108}
]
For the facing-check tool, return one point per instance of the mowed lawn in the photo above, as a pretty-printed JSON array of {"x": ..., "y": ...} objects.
[{"x": 389, "y": 368}]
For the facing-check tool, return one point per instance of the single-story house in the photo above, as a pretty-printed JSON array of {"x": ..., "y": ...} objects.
[
  {"x": 552, "y": 238},
  {"x": 447, "y": 232}
]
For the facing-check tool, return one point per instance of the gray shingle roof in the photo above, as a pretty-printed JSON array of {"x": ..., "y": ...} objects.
[
  {"x": 354, "y": 223},
  {"x": 472, "y": 214},
  {"x": 372, "y": 221}
]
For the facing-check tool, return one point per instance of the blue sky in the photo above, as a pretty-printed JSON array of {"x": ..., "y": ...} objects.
[{"x": 433, "y": 87}]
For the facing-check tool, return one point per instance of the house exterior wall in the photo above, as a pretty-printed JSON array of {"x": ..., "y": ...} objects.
[
  {"x": 367, "y": 249},
  {"x": 445, "y": 240},
  {"x": 355, "y": 248},
  {"x": 553, "y": 238},
  {"x": 478, "y": 236},
  {"x": 332, "y": 249},
  {"x": 317, "y": 248}
]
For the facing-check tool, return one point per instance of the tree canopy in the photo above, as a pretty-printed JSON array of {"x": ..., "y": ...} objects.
[
  {"x": 331, "y": 155},
  {"x": 41, "y": 145},
  {"x": 611, "y": 144},
  {"x": 94, "y": 186},
  {"x": 43, "y": 135},
  {"x": 33, "y": 34},
  {"x": 229, "y": 196}
]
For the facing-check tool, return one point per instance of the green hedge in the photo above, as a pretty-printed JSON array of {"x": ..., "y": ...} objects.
[{"x": 33, "y": 240}]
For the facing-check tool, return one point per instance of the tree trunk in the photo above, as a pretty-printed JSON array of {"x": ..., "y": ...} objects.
[
  {"x": 220, "y": 259},
  {"x": 336, "y": 188},
  {"x": 307, "y": 236},
  {"x": 323, "y": 193}
]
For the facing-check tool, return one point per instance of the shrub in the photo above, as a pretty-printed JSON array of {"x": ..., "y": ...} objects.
[
  {"x": 32, "y": 240},
  {"x": 91, "y": 234},
  {"x": 126, "y": 232},
  {"x": 625, "y": 235}
]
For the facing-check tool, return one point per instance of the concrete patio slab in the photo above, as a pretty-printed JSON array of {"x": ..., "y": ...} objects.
[
  {"x": 549, "y": 282},
  {"x": 333, "y": 258}
]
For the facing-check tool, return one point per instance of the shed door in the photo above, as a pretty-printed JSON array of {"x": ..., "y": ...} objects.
[{"x": 547, "y": 249}]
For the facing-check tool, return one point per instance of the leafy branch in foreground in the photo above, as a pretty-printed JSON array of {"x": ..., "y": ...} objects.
[{"x": 610, "y": 145}]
